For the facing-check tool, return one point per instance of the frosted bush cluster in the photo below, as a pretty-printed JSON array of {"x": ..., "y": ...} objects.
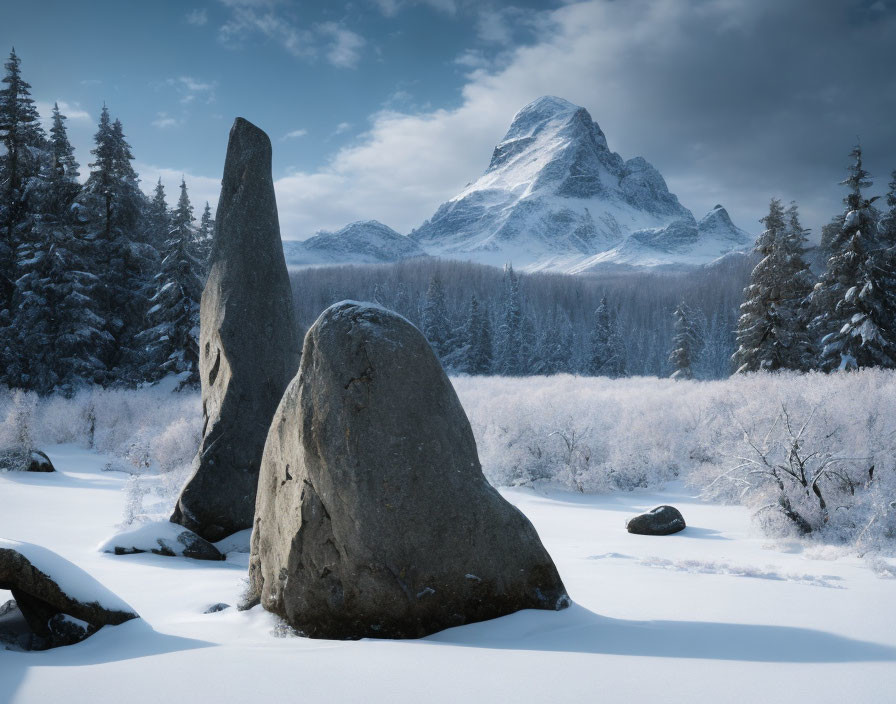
[
  {"x": 834, "y": 435},
  {"x": 150, "y": 433},
  {"x": 771, "y": 441}
]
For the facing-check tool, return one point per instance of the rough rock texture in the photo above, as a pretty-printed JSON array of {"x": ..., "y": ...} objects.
[
  {"x": 25, "y": 461},
  {"x": 53, "y": 614},
  {"x": 162, "y": 538},
  {"x": 373, "y": 517},
  {"x": 662, "y": 520},
  {"x": 248, "y": 341}
]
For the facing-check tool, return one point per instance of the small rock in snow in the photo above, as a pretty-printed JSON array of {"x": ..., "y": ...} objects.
[
  {"x": 162, "y": 538},
  {"x": 662, "y": 520}
]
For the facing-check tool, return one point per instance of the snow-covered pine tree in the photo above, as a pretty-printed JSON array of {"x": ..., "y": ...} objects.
[
  {"x": 607, "y": 351},
  {"x": 204, "y": 238},
  {"x": 553, "y": 353},
  {"x": 477, "y": 340},
  {"x": 157, "y": 219},
  {"x": 886, "y": 228},
  {"x": 55, "y": 319},
  {"x": 484, "y": 353},
  {"x": 172, "y": 340},
  {"x": 24, "y": 154},
  {"x": 124, "y": 263},
  {"x": 686, "y": 342},
  {"x": 435, "y": 324},
  {"x": 510, "y": 332},
  {"x": 771, "y": 331},
  {"x": 854, "y": 301},
  {"x": 401, "y": 302}
]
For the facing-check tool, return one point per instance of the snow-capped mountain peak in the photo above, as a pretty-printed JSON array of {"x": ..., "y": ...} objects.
[
  {"x": 554, "y": 197},
  {"x": 553, "y": 194},
  {"x": 362, "y": 242}
]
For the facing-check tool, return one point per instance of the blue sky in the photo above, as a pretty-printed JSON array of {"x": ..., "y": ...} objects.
[{"x": 386, "y": 108}]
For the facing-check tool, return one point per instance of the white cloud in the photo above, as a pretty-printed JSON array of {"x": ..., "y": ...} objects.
[
  {"x": 246, "y": 21},
  {"x": 344, "y": 47},
  {"x": 199, "y": 188},
  {"x": 72, "y": 111},
  {"x": 342, "y": 127},
  {"x": 198, "y": 17},
  {"x": 391, "y": 7},
  {"x": 250, "y": 18},
  {"x": 163, "y": 120},
  {"x": 665, "y": 80},
  {"x": 191, "y": 88},
  {"x": 295, "y": 134}
]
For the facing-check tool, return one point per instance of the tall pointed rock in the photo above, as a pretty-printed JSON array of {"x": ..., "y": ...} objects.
[{"x": 248, "y": 341}]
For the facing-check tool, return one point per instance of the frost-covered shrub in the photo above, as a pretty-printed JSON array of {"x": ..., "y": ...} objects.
[
  {"x": 148, "y": 428},
  {"x": 583, "y": 433},
  {"x": 596, "y": 434},
  {"x": 795, "y": 470},
  {"x": 579, "y": 433},
  {"x": 17, "y": 431}
]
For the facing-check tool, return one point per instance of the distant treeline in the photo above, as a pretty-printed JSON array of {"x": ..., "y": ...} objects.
[{"x": 557, "y": 312}]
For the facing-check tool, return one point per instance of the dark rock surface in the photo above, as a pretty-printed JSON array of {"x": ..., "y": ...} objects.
[
  {"x": 662, "y": 520},
  {"x": 373, "y": 517},
  {"x": 248, "y": 342},
  {"x": 215, "y": 608},
  {"x": 55, "y": 608}
]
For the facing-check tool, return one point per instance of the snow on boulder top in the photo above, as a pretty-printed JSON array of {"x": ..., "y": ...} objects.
[
  {"x": 70, "y": 578},
  {"x": 161, "y": 538}
]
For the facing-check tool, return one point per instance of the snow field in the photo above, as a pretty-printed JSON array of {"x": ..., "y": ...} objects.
[{"x": 637, "y": 628}]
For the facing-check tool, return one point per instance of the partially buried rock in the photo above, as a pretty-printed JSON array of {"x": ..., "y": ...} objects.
[
  {"x": 662, "y": 520},
  {"x": 25, "y": 461},
  {"x": 59, "y": 603},
  {"x": 161, "y": 538},
  {"x": 373, "y": 517},
  {"x": 248, "y": 342}
]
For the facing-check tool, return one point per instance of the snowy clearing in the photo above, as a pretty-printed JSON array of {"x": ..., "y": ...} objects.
[{"x": 675, "y": 617}]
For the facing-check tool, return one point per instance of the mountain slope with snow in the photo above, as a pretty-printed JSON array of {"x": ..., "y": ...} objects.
[
  {"x": 363, "y": 242},
  {"x": 555, "y": 197}
]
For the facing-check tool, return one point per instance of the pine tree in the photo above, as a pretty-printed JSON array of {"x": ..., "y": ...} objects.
[
  {"x": 607, "y": 352},
  {"x": 771, "y": 332},
  {"x": 477, "y": 340},
  {"x": 855, "y": 300},
  {"x": 686, "y": 342},
  {"x": 55, "y": 317},
  {"x": 124, "y": 262},
  {"x": 472, "y": 334},
  {"x": 157, "y": 218},
  {"x": 172, "y": 341},
  {"x": 510, "y": 333},
  {"x": 204, "y": 238},
  {"x": 886, "y": 229},
  {"x": 435, "y": 324},
  {"x": 24, "y": 154}
]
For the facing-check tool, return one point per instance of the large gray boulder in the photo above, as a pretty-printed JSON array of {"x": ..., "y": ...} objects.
[
  {"x": 248, "y": 342},
  {"x": 373, "y": 516},
  {"x": 59, "y": 603}
]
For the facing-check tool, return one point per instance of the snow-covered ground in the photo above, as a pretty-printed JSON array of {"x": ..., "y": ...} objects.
[{"x": 714, "y": 613}]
